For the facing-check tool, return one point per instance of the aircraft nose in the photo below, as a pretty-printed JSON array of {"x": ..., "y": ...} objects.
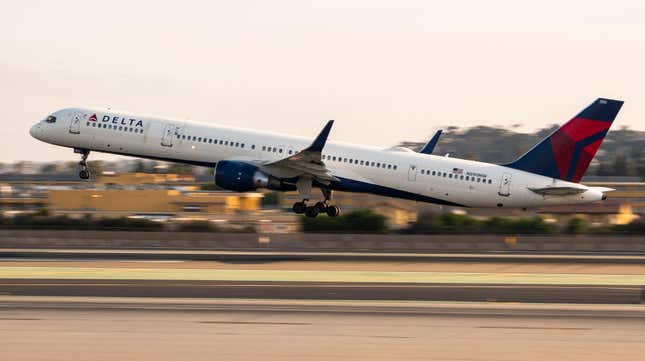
[{"x": 35, "y": 131}]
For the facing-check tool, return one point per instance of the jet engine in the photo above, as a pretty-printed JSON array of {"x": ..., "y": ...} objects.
[{"x": 245, "y": 177}]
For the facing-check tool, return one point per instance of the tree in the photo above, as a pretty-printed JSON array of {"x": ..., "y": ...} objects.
[{"x": 620, "y": 165}]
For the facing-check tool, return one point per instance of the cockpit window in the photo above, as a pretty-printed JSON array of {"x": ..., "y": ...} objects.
[{"x": 51, "y": 119}]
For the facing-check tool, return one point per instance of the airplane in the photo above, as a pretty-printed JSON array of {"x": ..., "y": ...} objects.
[{"x": 244, "y": 160}]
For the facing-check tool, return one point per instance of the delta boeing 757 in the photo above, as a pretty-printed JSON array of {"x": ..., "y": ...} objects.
[{"x": 245, "y": 160}]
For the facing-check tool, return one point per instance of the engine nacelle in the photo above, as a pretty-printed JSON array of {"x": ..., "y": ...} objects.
[{"x": 244, "y": 177}]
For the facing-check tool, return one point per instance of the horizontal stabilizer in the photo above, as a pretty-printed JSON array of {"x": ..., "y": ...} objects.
[{"x": 558, "y": 191}]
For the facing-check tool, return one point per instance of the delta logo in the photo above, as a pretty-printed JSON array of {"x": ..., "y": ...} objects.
[{"x": 118, "y": 120}]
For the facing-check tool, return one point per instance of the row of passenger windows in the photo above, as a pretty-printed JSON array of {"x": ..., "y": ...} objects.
[
  {"x": 359, "y": 162},
  {"x": 280, "y": 150},
  {"x": 456, "y": 176},
  {"x": 213, "y": 141},
  {"x": 115, "y": 127}
]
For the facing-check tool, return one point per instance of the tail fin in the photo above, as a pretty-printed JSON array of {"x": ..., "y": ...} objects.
[{"x": 567, "y": 152}]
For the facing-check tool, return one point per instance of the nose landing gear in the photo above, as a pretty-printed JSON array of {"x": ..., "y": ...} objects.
[{"x": 84, "y": 173}]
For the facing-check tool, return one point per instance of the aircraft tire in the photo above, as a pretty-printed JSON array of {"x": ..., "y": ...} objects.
[
  {"x": 311, "y": 212},
  {"x": 299, "y": 207}
]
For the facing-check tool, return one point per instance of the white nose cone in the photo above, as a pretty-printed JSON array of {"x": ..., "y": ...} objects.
[{"x": 34, "y": 131}]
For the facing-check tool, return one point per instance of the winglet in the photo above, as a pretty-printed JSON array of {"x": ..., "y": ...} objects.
[
  {"x": 429, "y": 147},
  {"x": 321, "y": 139}
]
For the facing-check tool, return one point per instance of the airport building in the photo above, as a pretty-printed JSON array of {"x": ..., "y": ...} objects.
[{"x": 165, "y": 197}]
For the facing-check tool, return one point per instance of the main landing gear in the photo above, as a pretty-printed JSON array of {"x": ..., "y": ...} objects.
[
  {"x": 84, "y": 173},
  {"x": 318, "y": 207}
]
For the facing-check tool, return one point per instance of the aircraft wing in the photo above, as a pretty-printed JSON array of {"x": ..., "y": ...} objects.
[
  {"x": 429, "y": 147},
  {"x": 309, "y": 160}
]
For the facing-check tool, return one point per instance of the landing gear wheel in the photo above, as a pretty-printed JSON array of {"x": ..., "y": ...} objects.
[
  {"x": 299, "y": 207},
  {"x": 84, "y": 174},
  {"x": 322, "y": 207},
  {"x": 311, "y": 211},
  {"x": 332, "y": 211}
]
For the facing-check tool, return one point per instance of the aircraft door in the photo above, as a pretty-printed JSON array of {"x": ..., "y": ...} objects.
[
  {"x": 412, "y": 173},
  {"x": 168, "y": 134},
  {"x": 505, "y": 185},
  {"x": 75, "y": 124}
]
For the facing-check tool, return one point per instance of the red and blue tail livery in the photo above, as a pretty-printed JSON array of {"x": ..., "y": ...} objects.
[{"x": 567, "y": 152}]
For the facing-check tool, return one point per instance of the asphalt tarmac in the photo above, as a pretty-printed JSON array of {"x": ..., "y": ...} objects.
[
  {"x": 63, "y": 329},
  {"x": 272, "y": 256},
  {"x": 324, "y": 290}
]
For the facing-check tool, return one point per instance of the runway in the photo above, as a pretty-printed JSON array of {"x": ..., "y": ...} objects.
[
  {"x": 60, "y": 329},
  {"x": 241, "y": 308},
  {"x": 324, "y": 290},
  {"x": 272, "y": 256}
]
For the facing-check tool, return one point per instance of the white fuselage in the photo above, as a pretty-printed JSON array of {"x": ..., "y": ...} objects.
[{"x": 396, "y": 172}]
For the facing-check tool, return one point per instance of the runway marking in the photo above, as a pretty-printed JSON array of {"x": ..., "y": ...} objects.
[
  {"x": 256, "y": 323},
  {"x": 537, "y": 328},
  {"x": 86, "y": 273}
]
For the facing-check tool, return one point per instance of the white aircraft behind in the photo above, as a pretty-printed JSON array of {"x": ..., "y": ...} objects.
[{"x": 245, "y": 160}]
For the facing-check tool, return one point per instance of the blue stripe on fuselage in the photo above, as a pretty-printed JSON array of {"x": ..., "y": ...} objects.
[
  {"x": 350, "y": 185},
  {"x": 345, "y": 184}
]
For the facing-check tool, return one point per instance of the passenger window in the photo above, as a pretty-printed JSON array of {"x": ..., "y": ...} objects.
[
  {"x": 461, "y": 177},
  {"x": 490, "y": 181},
  {"x": 237, "y": 144},
  {"x": 395, "y": 167},
  {"x": 450, "y": 175},
  {"x": 290, "y": 151},
  {"x": 280, "y": 150},
  {"x": 389, "y": 166},
  {"x": 252, "y": 146},
  {"x": 444, "y": 175}
]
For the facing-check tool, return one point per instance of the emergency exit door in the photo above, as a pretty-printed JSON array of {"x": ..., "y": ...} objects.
[{"x": 168, "y": 135}]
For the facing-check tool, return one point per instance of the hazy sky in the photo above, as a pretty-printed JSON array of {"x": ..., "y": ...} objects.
[{"x": 385, "y": 70}]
